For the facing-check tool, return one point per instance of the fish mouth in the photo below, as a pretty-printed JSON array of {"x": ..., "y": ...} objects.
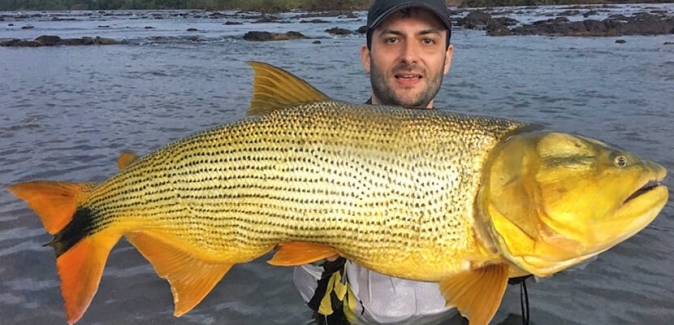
[{"x": 646, "y": 188}]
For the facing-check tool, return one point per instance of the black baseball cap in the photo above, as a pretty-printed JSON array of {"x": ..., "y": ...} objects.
[{"x": 382, "y": 9}]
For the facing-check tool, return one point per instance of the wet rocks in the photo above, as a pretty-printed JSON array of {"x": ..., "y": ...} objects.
[
  {"x": 48, "y": 40},
  {"x": 57, "y": 18},
  {"x": 618, "y": 25},
  {"x": 590, "y": 13},
  {"x": 334, "y": 13},
  {"x": 19, "y": 43},
  {"x": 314, "y": 21},
  {"x": 482, "y": 20},
  {"x": 104, "y": 41},
  {"x": 52, "y": 40},
  {"x": 338, "y": 31},
  {"x": 475, "y": 19},
  {"x": 261, "y": 36}
]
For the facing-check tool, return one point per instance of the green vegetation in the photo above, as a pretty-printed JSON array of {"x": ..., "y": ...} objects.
[
  {"x": 252, "y": 5},
  {"x": 501, "y": 3},
  {"x": 259, "y": 5}
]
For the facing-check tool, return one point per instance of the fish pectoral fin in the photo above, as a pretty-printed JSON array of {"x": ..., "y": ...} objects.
[
  {"x": 275, "y": 89},
  {"x": 54, "y": 202},
  {"x": 477, "y": 293},
  {"x": 191, "y": 279},
  {"x": 298, "y": 253},
  {"x": 125, "y": 159}
]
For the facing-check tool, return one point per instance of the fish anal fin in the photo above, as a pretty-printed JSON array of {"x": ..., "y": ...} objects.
[
  {"x": 125, "y": 159},
  {"x": 54, "y": 202},
  {"x": 477, "y": 293},
  {"x": 298, "y": 253},
  {"x": 275, "y": 88},
  {"x": 191, "y": 279},
  {"x": 80, "y": 269}
]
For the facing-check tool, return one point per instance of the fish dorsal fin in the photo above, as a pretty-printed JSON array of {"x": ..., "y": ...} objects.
[
  {"x": 191, "y": 279},
  {"x": 477, "y": 293},
  {"x": 298, "y": 253},
  {"x": 125, "y": 159},
  {"x": 275, "y": 88}
]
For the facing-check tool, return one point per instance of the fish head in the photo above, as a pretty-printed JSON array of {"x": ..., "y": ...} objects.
[{"x": 551, "y": 200}]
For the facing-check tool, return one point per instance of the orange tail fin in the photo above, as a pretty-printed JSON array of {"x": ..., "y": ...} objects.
[
  {"x": 81, "y": 249},
  {"x": 54, "y": 202},
  {"x": 80, "y": 270}
]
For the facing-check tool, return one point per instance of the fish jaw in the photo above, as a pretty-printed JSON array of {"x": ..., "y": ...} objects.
[{"x": 551, "y": 200}]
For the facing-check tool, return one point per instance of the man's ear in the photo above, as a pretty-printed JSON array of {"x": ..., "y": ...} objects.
[
  {"x": 365, "y": 57},
  {"x": 448, "y": 58}
]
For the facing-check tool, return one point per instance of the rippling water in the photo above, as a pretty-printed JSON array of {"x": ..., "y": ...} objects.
[{"x": 67, "y": 112}]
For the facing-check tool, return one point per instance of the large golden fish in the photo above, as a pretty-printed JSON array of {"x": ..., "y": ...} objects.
[{"x": 429, "y": 195}]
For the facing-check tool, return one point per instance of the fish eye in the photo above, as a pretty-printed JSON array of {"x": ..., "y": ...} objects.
[{"x": 620, "y": 161}]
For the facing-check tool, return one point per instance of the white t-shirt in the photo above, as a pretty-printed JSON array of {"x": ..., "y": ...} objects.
[{"x": 381, "y": 299}]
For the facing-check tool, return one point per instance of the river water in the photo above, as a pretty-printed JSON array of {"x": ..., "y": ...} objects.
[{"x": 67, "y": 112}]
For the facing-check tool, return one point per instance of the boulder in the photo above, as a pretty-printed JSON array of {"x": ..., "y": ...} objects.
[
  {"x": 498, "y": 28},
  {"x": 74, "y": 41},
  {"x": 261, "y": 36},
  {"x": 338, "y": 31},
  {"x": 616, "y": 25},
  {"x": 105, "y": 41},
  {"x": 475, "y": 19},
  {"x": 48, "y": 40},
  {"x": 314, "y": 21},
  {"x": 10, "y": 42},
  {"x": 22, "y": 43}
]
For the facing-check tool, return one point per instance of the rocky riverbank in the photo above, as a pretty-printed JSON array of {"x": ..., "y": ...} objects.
[
  {"x": 579, "y": 21},
  {"x": 642, "y": 23},
  {"x": 52, "y": 40}
]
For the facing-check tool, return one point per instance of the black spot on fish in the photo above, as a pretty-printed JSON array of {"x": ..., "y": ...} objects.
[{"x": 80, "y": 227}]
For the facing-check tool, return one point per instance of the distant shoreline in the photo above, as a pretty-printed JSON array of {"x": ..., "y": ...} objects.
[{"x": 276, "y": 6}]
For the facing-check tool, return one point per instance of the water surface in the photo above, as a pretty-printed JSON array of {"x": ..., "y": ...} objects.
[{"x": 67, "y": 112}]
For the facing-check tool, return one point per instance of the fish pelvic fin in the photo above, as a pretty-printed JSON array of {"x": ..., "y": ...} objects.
[
  {"x": 477, "y": 293},
  {"x": 191, "y": 278},
  {"x": 275, "y": 89},
  {"x": 125, "y": 159},
  {"x": 54, "y": 202},
  {"x": 298, "y": 253},
  {"x": 80, "y": 269}
]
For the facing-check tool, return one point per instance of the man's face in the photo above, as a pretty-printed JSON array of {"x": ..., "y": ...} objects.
[{"x": 408, "y": 59}]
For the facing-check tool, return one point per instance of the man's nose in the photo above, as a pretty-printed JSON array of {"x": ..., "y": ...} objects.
[{"x": 410, "y": 52}]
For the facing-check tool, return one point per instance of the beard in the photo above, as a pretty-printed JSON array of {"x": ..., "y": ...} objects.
[{"x": 387, "y": 96}]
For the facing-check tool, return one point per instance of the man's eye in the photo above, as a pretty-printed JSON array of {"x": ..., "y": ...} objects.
[
  {"x": 391, "y": 40},
  {"x": 428, "y": 41}
]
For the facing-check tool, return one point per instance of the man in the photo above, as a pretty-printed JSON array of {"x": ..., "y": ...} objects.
[{"x": 407, "y": 54}]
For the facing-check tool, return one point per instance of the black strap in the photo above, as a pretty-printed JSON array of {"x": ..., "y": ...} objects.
[
  {"x": 322, "y": 285},
  {"x": 524, "y": 302}
]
